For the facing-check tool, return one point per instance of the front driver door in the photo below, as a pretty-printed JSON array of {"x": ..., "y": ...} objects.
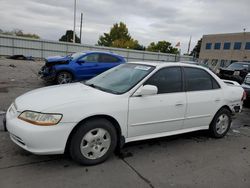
[
  {"x": 87, "y": 66},
  {"x": 160, "y": 113}
]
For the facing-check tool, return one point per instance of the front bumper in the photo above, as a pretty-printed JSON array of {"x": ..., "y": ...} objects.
[
  {"x": 38, "y": 139},
  {"x": 47, "y": 73}
]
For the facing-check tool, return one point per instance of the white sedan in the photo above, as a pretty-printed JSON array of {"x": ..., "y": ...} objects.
[{"x": 133, "y": 101}]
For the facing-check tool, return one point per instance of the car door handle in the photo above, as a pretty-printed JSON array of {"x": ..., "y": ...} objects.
[
  {"x": 179, "y": 104},
  {"x": 217, "y": 100}
]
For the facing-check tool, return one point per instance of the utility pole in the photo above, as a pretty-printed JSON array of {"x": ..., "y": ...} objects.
[
  {"x": 81, "y": 28},
  {"x": 189, "y": 43},
  {"x": 74, "y": 31},
  {"x": 244, "y": 44}
]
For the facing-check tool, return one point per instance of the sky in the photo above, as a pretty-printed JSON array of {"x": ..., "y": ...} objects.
[{"x": 147, "y": 20}]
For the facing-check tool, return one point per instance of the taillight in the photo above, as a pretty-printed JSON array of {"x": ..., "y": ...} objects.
[{"x": 244, "y": 96}]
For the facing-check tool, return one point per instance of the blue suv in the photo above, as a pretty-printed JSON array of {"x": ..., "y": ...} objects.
[{"x": 78, "y": 66}]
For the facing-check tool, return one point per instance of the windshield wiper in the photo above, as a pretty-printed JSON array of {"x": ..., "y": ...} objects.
[
  {"x": 90, "y": 85},
  {"x": 102, "y": 89}
]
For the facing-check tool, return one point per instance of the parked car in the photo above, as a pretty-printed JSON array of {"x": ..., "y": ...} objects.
[
  {"x": 78, "y": 66},
  {"x": 131, "y": 102},
  {"x": 236, "y": 71},
  {"x": 197, "y": 63},
  {"x": 246, "y": 87}
]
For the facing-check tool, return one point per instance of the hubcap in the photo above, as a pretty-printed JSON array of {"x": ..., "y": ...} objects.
[
  {"x": 222, "y": 124},
  {"x": 64, "y": 78},
  {"x": 95, "y": 143}
]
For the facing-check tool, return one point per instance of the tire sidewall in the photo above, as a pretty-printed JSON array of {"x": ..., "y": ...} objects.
[
  {"x": 84, "y": 129},
  {"x": 213, "y": 124}
]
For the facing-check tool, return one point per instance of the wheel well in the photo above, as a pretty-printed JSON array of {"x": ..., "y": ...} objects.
[
  {"x": 226, "y": 107},
  {"x": 120, "y": 139},
  {"x": 223, "y": 107}
]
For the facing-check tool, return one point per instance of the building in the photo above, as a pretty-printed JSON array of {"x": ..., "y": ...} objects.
[{"x": 223, "y": 49}]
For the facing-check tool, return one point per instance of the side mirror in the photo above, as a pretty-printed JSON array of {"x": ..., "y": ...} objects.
[{"x": 146, "y": 90}]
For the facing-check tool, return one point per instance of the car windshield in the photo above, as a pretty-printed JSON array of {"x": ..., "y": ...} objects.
[
  {"x": 121, "y": 78},
  {"x": 247, "y": 80},
  {"x": 238, "y": 66},
  {"x": 76, "y": 55}
]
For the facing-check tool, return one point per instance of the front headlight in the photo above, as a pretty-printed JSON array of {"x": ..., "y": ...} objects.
[
  {"x": 37, "y": 118},
  {"x": 236, "y": 73}
]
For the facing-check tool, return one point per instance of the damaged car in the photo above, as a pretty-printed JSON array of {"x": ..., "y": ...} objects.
[
  {"x": 236, "y": 71},
  {"x": 78, "y": 66},
  {"x": 246, "y": 87}
]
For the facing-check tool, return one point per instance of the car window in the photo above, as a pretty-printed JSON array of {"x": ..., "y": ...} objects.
[
  {"x": 108, "y": 58},
  {"x": 198, "y": 79},
  {"x": 239, "y": 66},
  {"x": 215, "y": 83},
  {"x": 91, "y": 58},
  {"x": 167, "y": 80},
  {"x": 120, "y": 79}
]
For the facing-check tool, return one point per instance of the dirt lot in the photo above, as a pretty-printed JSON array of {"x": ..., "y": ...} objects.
[{"x": 188, "y": 160}]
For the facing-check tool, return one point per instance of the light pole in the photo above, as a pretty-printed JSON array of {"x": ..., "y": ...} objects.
[
  {"x": 74, "y": 31},
  {"x": 81, "y": 28}
]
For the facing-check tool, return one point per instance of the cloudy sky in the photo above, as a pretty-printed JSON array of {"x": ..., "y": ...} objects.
[{"x": 147, "y": 20}]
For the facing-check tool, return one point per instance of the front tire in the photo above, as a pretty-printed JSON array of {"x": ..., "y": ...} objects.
[
  {"x": 93, "y": 142},
  {"x": 221, "y": 123},
  {"x": 64, "y": 77}
]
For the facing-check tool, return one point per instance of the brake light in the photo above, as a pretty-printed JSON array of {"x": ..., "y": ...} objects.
[{"x": 244, "y": 96}]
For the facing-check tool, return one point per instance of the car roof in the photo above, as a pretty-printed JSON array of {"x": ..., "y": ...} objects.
[
  {"x": 102, "y": 52},
  {"x": 242, "y": 62},
  {"x": 168, "y": 64}
]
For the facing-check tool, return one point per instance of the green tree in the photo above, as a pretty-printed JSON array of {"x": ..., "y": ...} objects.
[
  {"x": 68, "y": 37},
  {"x": 162, "y": 46},
  {"x": 196, "y": 50},
  {"x": 119, "y": 37},
  {"x": 20, "y": 33}
]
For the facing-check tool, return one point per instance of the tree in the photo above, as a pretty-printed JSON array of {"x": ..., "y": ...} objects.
[
  {"x": 196, "y": 50},
  {"x": 119, "y": 37},
  {"x": 162, "y": 46},
  {"x": 20, "y": 33},
  {"x": 68, "y": 37}
]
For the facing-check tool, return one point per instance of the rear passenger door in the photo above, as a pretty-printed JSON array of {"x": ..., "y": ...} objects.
[
  {"x": 204, "y": 97},
  {"x": 106, "y": 62}
]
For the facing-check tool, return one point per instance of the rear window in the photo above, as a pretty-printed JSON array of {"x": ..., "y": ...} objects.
[{"x": 240, "y": 66}]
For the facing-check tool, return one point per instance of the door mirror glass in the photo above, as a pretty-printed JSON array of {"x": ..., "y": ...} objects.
[{"x": 146, "y": 90}]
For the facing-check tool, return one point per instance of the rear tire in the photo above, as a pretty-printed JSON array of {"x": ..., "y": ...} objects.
[
  {"x": 221, "y": 123},
  {"x": 93, "y": 142},
  {"x": 64, "y": 77}
]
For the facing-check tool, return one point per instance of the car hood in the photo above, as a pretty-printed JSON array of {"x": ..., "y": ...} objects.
[
  {"x": 57, "y": 58},
  {"x": 45, "y": 98}
]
